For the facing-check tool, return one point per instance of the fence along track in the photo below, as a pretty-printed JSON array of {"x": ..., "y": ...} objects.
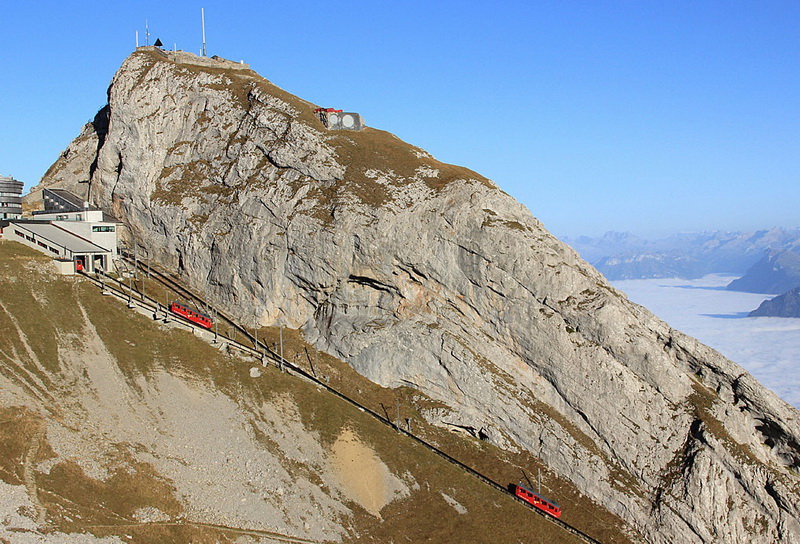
[
  {"x": 280, "y": 537},
  {"x": 170, "y": 282},
  {"x": 267, "y": 352}
]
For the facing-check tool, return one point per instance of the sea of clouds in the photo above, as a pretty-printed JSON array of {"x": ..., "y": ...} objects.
[{"x": 767, "y": 347}]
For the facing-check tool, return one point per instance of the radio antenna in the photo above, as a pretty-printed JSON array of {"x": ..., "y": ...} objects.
[
  {"x": 146, "y": 33},
  {"x": 203, "y": 24}
]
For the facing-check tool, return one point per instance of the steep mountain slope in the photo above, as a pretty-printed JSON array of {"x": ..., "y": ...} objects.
[
  {"x": 426, "y": 275},
  {"x": 116, "y": 428}
]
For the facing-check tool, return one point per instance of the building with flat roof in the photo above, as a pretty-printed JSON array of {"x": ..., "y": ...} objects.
[
  {"x": 61, "y": 244},
  {"x": 10, "y": 198},
  {"x": 77, "y": 236}
]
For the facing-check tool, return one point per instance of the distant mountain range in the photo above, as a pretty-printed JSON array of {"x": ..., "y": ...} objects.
[
  {"x": 621, "y": 256},
  {"x": 767, "y": 260}
]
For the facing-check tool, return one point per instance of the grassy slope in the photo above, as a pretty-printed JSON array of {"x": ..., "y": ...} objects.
[{"x": 43, "y": 308}]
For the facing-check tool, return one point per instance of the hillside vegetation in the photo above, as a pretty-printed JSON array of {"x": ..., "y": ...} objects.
[{"x": 113, "y": 425}]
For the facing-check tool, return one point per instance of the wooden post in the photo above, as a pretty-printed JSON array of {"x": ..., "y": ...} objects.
[
  {"x": 397, "y": 423},
  {"x": 310, "y": 362},
  {"x": 540, "y": 480}
]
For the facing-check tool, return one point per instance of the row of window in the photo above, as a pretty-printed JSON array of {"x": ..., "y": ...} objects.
[
  {"x": 103, "y": 228},
  {"x": 39, "y": 242}
]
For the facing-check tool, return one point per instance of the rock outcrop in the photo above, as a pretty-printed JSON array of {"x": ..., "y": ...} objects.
[{"x": 426, "y": 275}]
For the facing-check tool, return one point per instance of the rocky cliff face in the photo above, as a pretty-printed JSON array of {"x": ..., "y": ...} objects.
[{"x": 426, "y": 275}]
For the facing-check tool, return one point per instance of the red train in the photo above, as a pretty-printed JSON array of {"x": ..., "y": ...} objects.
[
  {"x": 546, "y": 505},
  {"x": 191, "y": 314}
]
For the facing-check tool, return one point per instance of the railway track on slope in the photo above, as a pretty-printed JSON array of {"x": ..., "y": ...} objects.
[
  {"x": 273, "y": 535},
  {"x": 171, "y": 283},
  {"x": 263, "y": 351}
]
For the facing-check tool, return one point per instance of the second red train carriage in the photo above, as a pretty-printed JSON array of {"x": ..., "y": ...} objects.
[
  {"x": 540, "y": 502},
  {"x": 191, "y": 314}
]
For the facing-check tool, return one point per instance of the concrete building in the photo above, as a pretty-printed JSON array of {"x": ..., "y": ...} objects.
[
  {"x": 10, "y": 198},
  {"x": 68, "y": 211},
  {"x": 76, "y": 235},
  {"x": 72, "y": 252}
]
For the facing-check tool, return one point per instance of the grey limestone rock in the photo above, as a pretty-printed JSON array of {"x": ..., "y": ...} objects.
[{"x": 423, "y": 274}]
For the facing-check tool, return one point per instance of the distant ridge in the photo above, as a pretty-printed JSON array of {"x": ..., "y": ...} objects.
[
  {"x": 785, "y": 305},
  {"x": 776, "y": 272}
]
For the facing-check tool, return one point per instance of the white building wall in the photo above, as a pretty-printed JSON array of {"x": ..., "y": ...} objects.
[
  {"x": 10, "y": 233},
  {"x": 103, "y": 234}
]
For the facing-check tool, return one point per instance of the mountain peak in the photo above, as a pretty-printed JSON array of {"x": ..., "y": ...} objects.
[{"x": 425, "y": 275}]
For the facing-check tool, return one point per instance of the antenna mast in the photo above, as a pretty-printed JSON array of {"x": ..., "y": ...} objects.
[
  {"x": 146, "y": 33},
  {"x": 203, "y": 24}
]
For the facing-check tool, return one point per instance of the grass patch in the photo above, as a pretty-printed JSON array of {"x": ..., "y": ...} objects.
[
  {"x": 502, "y": 466},
  {"x": 19, "y": 427},
  {"x": 74, "y": 500},
  {"x": 27, "y": 285}
]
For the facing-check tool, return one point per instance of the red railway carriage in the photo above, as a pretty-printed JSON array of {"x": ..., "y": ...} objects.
[
  {"x": 540, "y": 502},
  {"x": 191, "y": 314}
]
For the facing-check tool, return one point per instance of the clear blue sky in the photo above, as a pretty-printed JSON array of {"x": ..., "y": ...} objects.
[{"x": 646, "y": 116}]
